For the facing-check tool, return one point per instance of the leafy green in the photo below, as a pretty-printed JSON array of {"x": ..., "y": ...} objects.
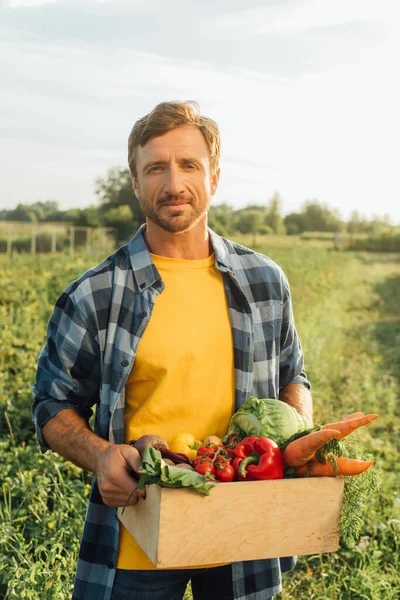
[
  {"x": 359, "y": 490},
  {"x": 267, "y": 417},
  {"x": 155, "y": 470}
]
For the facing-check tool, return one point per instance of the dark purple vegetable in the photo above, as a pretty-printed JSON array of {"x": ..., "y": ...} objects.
[
  {"x": 149, "y": 441},
  {"x": 160, "y": 444}
]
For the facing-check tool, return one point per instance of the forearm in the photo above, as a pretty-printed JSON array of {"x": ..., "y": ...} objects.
[
  {"x": 115, "y": 465},
  {"x": 298, "y": 396},
  {"x": 68, "y": 434}
]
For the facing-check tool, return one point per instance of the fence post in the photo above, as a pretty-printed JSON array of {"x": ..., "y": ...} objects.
[{"x": 71, "y": 240}]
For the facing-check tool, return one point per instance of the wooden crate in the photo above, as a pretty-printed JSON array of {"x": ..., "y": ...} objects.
[{"x": 239, "y": 521}]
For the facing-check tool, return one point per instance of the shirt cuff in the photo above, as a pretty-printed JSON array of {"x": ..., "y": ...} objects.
[{"x": 46, "y": 410}]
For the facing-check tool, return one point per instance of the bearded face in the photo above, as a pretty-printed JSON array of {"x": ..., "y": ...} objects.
[{"x": 173, "y": 183}]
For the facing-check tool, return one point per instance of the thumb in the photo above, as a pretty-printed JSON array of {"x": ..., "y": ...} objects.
[{"x": 132, "y": 457}]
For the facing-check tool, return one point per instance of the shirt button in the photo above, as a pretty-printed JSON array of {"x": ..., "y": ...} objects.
[
  {"x": 143, "y": 314},
  {"x": 110, "y": 565},
  {"x": 125, "y": 363}
]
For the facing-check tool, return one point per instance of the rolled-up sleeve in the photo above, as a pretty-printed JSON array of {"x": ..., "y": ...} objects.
[
  {"x": 68, "y": 372},
  {"x": 291, "y": 364}
]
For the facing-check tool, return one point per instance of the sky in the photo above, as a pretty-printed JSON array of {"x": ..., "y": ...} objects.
[{"x": 305, "y": 93}]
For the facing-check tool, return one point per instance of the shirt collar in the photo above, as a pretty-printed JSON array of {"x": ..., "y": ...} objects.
[
  {"x": 222, "y": 255},
  {"x": 145, "y": 271}
]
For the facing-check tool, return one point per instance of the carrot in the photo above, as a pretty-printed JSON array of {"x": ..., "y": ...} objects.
[
  {"x": 303, "y": 449},
  {"x": 353, "y": 416},
  {"x": 347, "y": 426},
  {"x": 345, "y": 466}
]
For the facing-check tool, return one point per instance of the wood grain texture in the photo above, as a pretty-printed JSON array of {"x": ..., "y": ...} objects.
[
  {"x": 239, "y": 521},
  {"x": 143, "y": 521}
]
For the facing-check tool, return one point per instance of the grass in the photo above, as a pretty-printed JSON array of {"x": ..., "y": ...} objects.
[{"x": 347, "y": 314}]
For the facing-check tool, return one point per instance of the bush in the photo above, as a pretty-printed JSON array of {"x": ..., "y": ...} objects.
[{"x": 388, "y": 241}]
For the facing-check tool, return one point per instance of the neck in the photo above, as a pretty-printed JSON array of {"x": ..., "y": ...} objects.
[{"x": 194, "y": 244}]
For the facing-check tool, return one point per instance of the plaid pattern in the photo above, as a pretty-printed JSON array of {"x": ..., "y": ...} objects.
[{"x": 92, "y": 339}]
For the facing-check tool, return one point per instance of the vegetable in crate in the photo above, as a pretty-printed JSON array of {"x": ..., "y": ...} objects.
[
  {"x": 312, "y": 454},
  {"x": 306, "y": 448},
  {"x": 334, "y": 467},
  {"x": 159, "y": 443},
  {"x": 258, "y": 458},
  {"x": 267, "y": 417},
  {"x": 303, "y": 449},
  {"x": 154, "y": 470},
  {"x": 224, "y": 471},
  {"x": 185, "y": 443}
]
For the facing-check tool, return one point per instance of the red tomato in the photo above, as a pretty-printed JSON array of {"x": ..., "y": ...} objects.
[
  {"x": 224, "y": 471},
  {"x": 205, "y": 468},
  {"x": 207, "y": 451}
]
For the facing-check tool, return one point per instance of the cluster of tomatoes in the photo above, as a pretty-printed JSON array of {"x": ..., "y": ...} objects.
[{"x": 214, "y": 461}]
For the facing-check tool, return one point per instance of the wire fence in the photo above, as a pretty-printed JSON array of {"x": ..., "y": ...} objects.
[{"x": 18, "y": 237}]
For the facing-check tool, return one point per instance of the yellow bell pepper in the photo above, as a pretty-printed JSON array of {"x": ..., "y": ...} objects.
[{"x": 185, "y": 443}]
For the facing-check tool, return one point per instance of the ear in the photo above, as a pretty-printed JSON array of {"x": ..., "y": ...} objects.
[
  {"x": 135, "y": 185},
  {"x": 214, "y": 181}
]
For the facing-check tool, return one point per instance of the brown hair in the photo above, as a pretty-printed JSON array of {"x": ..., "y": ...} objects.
[{"x": 169, "y": 115}]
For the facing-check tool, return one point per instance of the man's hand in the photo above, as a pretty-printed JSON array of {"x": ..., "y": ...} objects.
[
  {"x": 116, "y": 469},
  {"x": 114, "y": 464}
]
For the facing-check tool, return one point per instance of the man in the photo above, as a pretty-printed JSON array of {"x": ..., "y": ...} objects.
[{"x": 172, "y": 333}]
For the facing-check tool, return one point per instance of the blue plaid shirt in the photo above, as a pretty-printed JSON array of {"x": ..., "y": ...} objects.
[{"x": 92, "y": 340}]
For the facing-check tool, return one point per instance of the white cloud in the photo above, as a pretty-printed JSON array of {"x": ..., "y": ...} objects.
[
  {"x": 304, "y": 15},
  {"x": 36, "y": 3},
  {"x": 68, "y": 104},
  {"x": 27, "y": 3}
]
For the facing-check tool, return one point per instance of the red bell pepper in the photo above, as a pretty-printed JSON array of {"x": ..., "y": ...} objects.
[{"x": 258, "y": 458}]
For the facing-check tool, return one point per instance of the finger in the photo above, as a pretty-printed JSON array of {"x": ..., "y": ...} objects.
[
  {"x": 140, "y": 493},
  {"x": 120, "y": 500},
  {"x": 126, "y": 481},
  {"x": 132, "y": 457},
  {"x": 134, "y": 496}
]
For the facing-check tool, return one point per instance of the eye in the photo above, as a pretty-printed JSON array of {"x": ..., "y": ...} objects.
[{"x": 155, "y": 169}]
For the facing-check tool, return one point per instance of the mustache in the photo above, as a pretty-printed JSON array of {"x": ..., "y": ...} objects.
[{"x": 170, "y": 198}]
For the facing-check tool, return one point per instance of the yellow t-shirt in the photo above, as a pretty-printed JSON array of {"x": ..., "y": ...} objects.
[{"x": 183, "y": 377}]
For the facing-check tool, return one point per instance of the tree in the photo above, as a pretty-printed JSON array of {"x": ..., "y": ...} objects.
[
  {"x": 249, "y": 221},
  {"x": 294, "y": 223},
  {"x": 273, "y": 217},
  {"x": 119, "y": 217},
  {"x": 319, "y": 217},
  {"x": 83, "y": 217},
  {"x": 23, "y": 212},
  {"x": 116, "y": 190},
  {"x": 356, "y": 223},
  {"x": 220, "y": 219}
]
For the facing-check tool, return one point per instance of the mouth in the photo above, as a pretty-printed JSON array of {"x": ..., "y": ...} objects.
[{"x": 171, "y": 206}]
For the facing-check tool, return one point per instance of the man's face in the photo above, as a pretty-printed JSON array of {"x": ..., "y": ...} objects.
[{"x": 174, "y": 184}]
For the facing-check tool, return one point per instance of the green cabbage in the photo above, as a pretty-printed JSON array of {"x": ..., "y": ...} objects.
[{"x": 267, "y": 417}]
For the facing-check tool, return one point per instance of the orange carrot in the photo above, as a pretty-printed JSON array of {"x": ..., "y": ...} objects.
[
  {"x": 345, "y": 466},
  {"x": 303, "y": 449},
  {"x": 347, "y": 426},
  {"x": 353, "y": 416}
]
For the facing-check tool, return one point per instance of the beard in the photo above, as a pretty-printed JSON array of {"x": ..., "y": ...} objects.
[{"x": 177, "y": 221}]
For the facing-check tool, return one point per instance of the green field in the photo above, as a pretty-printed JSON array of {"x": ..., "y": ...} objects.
[{"x": 347, "y": 309}]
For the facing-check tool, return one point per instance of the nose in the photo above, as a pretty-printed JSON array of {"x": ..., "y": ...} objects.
[{"x": 174, "y": 182}]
